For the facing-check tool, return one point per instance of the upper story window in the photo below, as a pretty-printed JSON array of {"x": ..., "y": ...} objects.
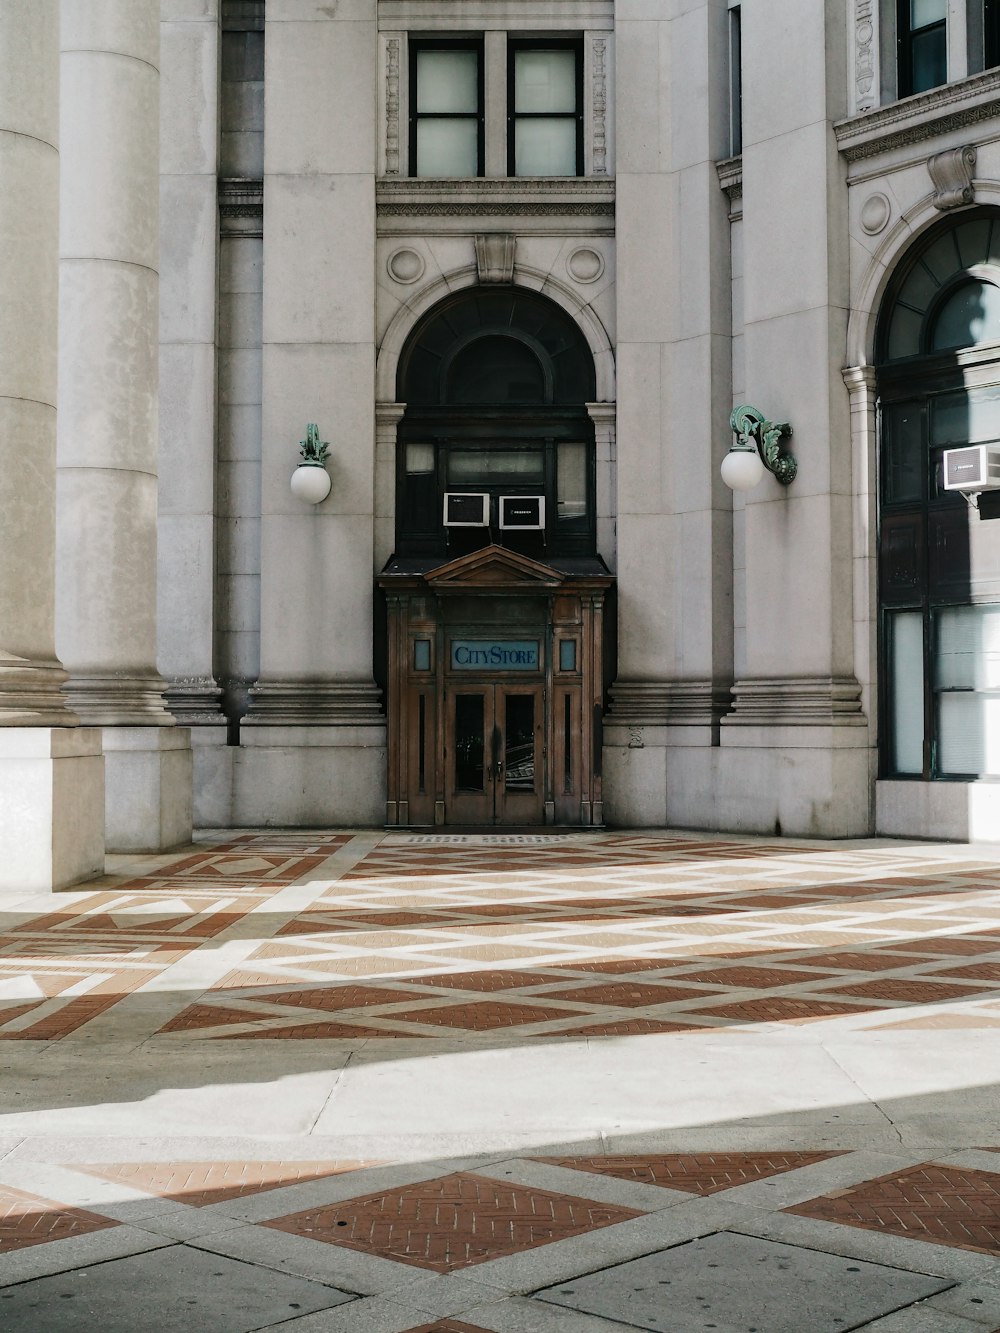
[
  {"x": 544, "y": 96},
  {"x": 450, "y": 127},
  {"x": 924, "y": 44},
  {"x": 922, "y": 41},
  {"x": 446, "y": 124}
]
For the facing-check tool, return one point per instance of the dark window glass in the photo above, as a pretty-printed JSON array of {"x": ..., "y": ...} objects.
[
  {"x": 545, "y": 127},
  {"x": 567, "y": 654},
  {"x": 991, "y": 33},
  {"x": 735, "y": 82},
  {"x": 496, "y": 369},
  {"x": 469, "y": 715},
  {"x": 446, "y": 109},
  {"x": 519, "y": 742},
  {"x": 922, "y": 37}
]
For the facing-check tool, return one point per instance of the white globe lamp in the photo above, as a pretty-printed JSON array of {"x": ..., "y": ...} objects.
[
  {"x": 310, "y": 480},
  {"x": 742, "y": 469}
]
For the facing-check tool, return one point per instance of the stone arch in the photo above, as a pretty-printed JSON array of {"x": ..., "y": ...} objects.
[{"x": 421, "y": 303}]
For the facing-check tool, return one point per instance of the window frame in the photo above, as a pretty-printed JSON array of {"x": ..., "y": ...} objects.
[
  {"x": 516, "y": 44},
  {"x": 414, "y": 46},
  {"x": 905, "y": 33}
]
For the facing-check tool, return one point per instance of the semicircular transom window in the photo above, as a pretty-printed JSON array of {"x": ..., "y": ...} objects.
[
  {"x": 503, "y": 345},
  {"x": 496, "y": 369},
  {"x": 948, "y": 299}
]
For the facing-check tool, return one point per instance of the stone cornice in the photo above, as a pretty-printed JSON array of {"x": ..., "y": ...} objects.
[
  {"x": 505, "y": 197},
  {"x": 953, "y": 106}
]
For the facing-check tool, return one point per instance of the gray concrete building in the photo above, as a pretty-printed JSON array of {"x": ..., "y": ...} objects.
[{"x": 503, "y": 269}]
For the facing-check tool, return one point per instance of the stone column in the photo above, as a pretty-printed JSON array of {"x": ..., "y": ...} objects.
[
  {"x": 313, "y": 743},
  {"x": 797, "y": 743},
  {"x": 107, "y": 448},
  {"x": 189, "y": 245},
  {"x": 674, "y": 391},
  {"x": 51, "y": 787}
]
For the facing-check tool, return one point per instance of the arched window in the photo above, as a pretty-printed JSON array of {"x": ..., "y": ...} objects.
[
  {"x": 496, "y": 382},
  {"x": 939, "y": 561}
]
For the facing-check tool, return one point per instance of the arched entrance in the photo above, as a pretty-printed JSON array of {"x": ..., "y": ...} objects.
[
  {"x": 938, "y": 379},
  {"x": 495, "y": 593}
]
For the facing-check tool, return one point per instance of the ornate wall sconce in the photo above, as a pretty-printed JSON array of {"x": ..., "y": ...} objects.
[
  {"x": 310, "y": 480},
  {"x": 758, "y": 446}
]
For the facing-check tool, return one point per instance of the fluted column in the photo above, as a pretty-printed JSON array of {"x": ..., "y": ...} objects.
[
  {"x": 107, "y": 450},
  {"x": 30, "y": 676},
  {"x": 50, "y": 770}
]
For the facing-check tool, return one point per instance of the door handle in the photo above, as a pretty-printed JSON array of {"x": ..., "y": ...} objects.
[{"x": 497, "y": 752}]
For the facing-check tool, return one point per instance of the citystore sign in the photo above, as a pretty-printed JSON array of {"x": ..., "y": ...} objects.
[{"x": 494, "y": 655}]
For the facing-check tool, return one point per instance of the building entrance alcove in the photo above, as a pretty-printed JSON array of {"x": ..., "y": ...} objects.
[
  {"x": 495, "y": 683},
  {"x": 495, "y": 593}
]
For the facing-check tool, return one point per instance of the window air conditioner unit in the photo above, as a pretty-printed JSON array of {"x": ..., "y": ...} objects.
[
  {"x": 463, "y": 509},
  {"x": 524, "y": 513},
  {"x": 974, "y": 468}
]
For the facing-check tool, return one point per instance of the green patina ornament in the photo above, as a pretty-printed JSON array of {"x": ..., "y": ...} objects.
[
  {"x": 314, "y": 451},
  {"x": 754, "y": 431}
]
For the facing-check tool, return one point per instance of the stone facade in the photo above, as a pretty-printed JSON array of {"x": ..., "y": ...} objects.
[{"x": 216, "y": 644}]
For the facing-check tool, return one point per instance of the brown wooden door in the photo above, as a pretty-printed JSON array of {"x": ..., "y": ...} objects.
[{"x": 495, "y": 757}]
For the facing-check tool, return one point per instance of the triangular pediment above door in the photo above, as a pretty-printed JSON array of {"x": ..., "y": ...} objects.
[{"x": 494, "y": 567}]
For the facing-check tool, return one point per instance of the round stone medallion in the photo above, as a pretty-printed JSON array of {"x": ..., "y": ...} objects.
[
  {"x": 405, "y": 265},
  {"x": 585, "y": 265},
  {"x": 875, "y": 214}
]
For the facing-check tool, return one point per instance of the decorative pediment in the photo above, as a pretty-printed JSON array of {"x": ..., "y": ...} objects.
[{"x": 494, "y": 567}]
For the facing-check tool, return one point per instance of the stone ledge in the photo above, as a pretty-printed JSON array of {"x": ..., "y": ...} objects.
[
  {"x": 923, "y": 116},
  {"x": 501, "y": 197}
]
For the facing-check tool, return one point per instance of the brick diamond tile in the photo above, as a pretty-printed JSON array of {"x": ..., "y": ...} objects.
[
  {"x": 908, "y": 991},
  {"x": 976, "y": 971},
  {"x": 452, "y": 1222},
  {"x": 872, "y": 961},
  {"x": 944, "y": 945},
  {"x": 488, "y": 980},
  {"x": 448, "y": 1326},
  {"x": 199, "y": 1184},
  {"x": 694, "y": 1173},
  {"x": 780, "y": 1009},
  {"x": 945, "y": 1205},
  {"x": 762, "y": 978},
  {"x": 629, "y": 1027},
  {"x": 630, "y": 994},
  {"x": 482, "y": 1017},
  {"x": 26, "y": 1219}
]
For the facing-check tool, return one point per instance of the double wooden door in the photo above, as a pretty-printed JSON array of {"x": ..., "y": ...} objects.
[{"x": 494, "y": 753}]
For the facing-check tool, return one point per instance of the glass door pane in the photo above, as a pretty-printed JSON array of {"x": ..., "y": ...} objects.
[
  {"x": 906, "y": 699},
  {"x": 470, "y": 720},
  {"x": 519, "y": 742}
]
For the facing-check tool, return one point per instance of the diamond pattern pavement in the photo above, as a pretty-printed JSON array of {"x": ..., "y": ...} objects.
[
  {"x": 453, "y": 1222},
  {"x": 401, "y": 943}
]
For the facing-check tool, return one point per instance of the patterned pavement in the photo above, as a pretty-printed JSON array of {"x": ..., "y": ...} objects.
[{"x": 374, "y": 941}]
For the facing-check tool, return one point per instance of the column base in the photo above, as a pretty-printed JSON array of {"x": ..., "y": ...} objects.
[
  {"x": 119, "y": 701},
  {"x": 148, "y": 785},
  {"x": 954, "y": 811},
  {"x": 195, "y": 702},
  {"x": 31, "y": 694},
  {"x": 212, "y": 757},
  {"x": 310, "y": 777},
  {"x": 51, "y": 808}
]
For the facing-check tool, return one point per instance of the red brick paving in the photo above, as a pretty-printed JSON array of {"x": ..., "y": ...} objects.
[
  {"x": 906, "y": 991},
  {"x": 762, "y": 978},
  {"x": 452, "y": 1222},
  {"x": 27, "y": 1219},
  {"x": 448, "y": 1326},
  {"x": 781, "y": 1009},
  {"x": 629, "y": 994},
  {"x": 629, "y": 1027},
  {"x": 199, "y": 1184},
  {"x": 945, "y": 945},
  {"x": 694, "y": 1173},
  {"x": 945, "y": 1205},
  {"x": 483, "y": 1017}
]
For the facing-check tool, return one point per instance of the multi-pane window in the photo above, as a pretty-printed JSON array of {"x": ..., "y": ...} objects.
[
  {"x": 450, "y": 130},
  {"x": 545, "y": 127},
  {"x": 922, "y": 39},
  {"x": 446, "y": 120},
  {"x": 939, "y": 563},
  {"x": 991, "y": 33}
]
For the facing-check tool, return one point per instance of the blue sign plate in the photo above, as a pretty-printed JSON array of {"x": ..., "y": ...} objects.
[{"x": 495, "y": 655}]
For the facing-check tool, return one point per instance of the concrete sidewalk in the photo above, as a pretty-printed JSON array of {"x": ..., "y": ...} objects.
[{"x": 380, "y": 1082}]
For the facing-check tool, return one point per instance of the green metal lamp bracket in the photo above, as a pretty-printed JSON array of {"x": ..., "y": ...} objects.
[
  {"x": 314, "y": 451},
  {"x": 754, "y": 431}
]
